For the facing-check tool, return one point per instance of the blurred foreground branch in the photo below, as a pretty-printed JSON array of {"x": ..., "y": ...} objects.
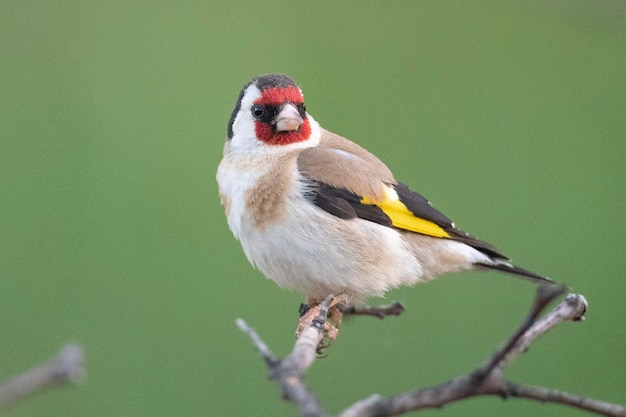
[
  {"x": 487, "y": 379},
  {"x": 65, "y": 367}
]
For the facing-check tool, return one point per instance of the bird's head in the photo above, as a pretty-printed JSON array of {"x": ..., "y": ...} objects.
[{"x": 271, "y": 109}]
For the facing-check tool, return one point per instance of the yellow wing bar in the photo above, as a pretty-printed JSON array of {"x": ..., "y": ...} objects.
[{"x": 402, "y": 218}]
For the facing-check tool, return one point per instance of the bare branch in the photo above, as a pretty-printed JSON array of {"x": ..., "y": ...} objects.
[
  {"x": 66, "y": 367},
  {"x": 289, "y": 371},
  {"x": 549, "y": 395},
  {"x": 572, "y": 308},
  {"x": 485, "y": 380},
  {"x": 394, "y": 308},
  {"x": 545, "y": 295},
  {"x": 263, "y": 349}
]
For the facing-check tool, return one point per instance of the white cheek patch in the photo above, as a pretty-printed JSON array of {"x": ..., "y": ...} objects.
[{"x": 243, "y": 125}]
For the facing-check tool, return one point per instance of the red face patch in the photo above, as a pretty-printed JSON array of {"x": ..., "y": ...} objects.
[
  {"x": 277, "y": 96},
  {"x": 266, "y": 132}
]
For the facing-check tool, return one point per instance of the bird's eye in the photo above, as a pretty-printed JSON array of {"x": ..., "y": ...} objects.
[{"x": 258, "y": 111}]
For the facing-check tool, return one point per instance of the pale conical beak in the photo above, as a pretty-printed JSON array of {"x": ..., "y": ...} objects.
[{"x": 288, "y": 119}]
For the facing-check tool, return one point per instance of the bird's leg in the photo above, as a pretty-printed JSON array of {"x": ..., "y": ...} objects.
[{"x": 336, "y": 310}]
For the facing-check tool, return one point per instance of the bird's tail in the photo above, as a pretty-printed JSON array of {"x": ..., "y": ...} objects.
[{"x": 517, "y": 271}]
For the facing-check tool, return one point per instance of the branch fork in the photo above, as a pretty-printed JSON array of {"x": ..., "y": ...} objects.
[{"x": 487, "y": 379}]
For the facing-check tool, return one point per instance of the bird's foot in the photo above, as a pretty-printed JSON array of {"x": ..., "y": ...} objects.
[{"x": 311, "y": 311}]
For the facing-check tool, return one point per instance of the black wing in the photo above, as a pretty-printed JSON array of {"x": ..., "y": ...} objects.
[{"x": 348, "y": 205}]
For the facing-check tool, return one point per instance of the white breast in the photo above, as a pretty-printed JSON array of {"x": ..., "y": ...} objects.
[{"x": 311, "y": 251}]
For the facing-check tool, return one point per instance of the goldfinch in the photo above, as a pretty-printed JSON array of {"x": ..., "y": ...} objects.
[{"x": 318, "y": 214}]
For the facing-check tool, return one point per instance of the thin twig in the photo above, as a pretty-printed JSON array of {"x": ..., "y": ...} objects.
[
  {"x": 544, "y": 296},
  {"x": 394, "y": 308},
  {"x": 572, "y": 308},
  {"x": 576, "y": 401},
  {"x": 65, "y": 367},
  {"x": 263, "y": 349}
]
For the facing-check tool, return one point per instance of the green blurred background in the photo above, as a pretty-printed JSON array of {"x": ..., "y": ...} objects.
[{"x": 510, "y": 116}]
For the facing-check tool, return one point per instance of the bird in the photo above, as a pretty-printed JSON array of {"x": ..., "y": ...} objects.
[{"x": 320, "y": 215}]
